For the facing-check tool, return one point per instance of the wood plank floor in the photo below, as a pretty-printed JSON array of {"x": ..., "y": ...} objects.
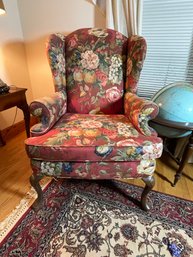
[{"x": 15, "y": 172}]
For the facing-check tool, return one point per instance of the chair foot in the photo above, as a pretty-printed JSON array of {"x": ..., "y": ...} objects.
[
  {"x": 34, "y": 181},
  {"x": 149, "y": 184}
]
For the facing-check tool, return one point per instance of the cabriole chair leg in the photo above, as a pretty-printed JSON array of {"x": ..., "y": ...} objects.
[
  {"x": 34, "y": 181},
  {"x": 149, "y": 184}
]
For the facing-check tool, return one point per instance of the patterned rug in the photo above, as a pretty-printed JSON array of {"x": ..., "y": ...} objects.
[{"x": 103, "y": 219}]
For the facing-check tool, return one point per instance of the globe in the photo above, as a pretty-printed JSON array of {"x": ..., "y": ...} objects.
[{"x": 175, "y": 103}]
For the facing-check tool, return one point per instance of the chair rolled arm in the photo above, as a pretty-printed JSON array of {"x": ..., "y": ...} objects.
[
  {"x": 139, "y": 111},
  {"x": 48, "y": 110}
]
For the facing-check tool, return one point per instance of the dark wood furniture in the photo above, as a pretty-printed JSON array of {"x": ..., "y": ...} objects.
[
  {"x": 16, "y": 97},
  {"x": 188, "y": 126}
]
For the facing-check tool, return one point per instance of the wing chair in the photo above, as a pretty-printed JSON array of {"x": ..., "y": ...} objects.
[{"x": 94, "y": 126}]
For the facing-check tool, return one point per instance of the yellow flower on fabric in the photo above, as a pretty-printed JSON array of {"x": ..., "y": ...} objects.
[
  {"x": 92, "y": 132},
  {"x": 86, "y": 141},
  {"x": 148, "y": 111},
  {"x": 129, "y": 66},
  {"x": 130, "y": 151},
  {"x": 89, "y": 77},
  {"x": 75, "y": 133}
]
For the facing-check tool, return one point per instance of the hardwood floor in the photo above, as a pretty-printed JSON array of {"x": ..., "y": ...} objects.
[{"x": 15, "y": 172}]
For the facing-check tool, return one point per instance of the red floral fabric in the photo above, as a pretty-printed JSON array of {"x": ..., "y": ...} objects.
[
  {"x": 95, "y": 70},
  {"x": 83, "y": 137},
  {"x": 139, "y": 111},
  {"x": 56, "y": 56},
  {"x": 96, "y": 63},
  {"x": 94, "y": 170},
  {"x": 48, "y": 110},
  {"x": 137, "y": 48}
]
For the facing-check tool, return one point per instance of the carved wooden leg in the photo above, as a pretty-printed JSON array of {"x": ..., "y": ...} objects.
[
  {"x": 34, "y": 181},
  {"x": 149, "y": 184}
]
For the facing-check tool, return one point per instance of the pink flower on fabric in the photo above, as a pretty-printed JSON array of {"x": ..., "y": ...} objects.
[
  {"x": 119, "y": 36},
  {"x": 73, "y": 41},
  {"x": 110, "y": 133},
  {"x": 102, "y": 77},
  {"x": 113, "y": 94},
  {"x": 90, "y": 124},
  {"x": 89, "y": 60},
  {"x": 79, "y": 142},
  {"x": 127, "y": 142}
]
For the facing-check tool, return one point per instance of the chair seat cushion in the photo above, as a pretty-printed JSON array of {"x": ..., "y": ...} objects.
[{"x": 82, "y": 137}]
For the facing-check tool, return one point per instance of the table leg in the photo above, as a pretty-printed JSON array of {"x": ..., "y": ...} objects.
[
  {"x": 186, "y": 155},
  {"x": 2, "y": 142},
  {"x": 25, "y": 108}
]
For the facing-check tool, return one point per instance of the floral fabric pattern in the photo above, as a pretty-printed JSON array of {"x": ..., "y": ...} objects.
[
  {"x": 83, "y": 137},
  {"x": 95, "y": 68},
  {"x": 56, "y": 56},
  {"x": 136, "y": 55},
  {"x": 94, "y": 170},
  {"x": 48, "y": 110},
  {"x": 139, "y": 111},
  {"x": 90, "y": 60},
  {"x": 96, "y": 63}
]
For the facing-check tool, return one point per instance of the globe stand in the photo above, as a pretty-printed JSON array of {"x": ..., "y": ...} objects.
[
  {"x": 181, "y": 126},
  {"x": 186, "y": 155}
]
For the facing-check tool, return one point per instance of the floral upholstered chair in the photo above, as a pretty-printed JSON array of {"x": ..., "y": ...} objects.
[{"x": 94, "y": 126}]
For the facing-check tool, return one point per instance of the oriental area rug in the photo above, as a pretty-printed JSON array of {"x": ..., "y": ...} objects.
[{"x": 103, "y": 219}]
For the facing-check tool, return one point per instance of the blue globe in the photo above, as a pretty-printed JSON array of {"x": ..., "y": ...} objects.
[{"x": 175, "y": 103}]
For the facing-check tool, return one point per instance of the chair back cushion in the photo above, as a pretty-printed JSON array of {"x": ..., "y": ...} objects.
[{"x": 95, "y": 71}]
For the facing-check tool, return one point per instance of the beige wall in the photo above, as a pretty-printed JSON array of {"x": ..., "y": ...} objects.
[
  {"x": 23, "y": 32},
  {"x": 13, "y": 65},
  {"x": 39, "y": 18}
]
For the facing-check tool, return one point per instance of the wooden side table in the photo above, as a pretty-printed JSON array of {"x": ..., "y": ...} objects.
[
  {"x": 183, "y": 126},
  {"x": 16, "y": 97}
]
